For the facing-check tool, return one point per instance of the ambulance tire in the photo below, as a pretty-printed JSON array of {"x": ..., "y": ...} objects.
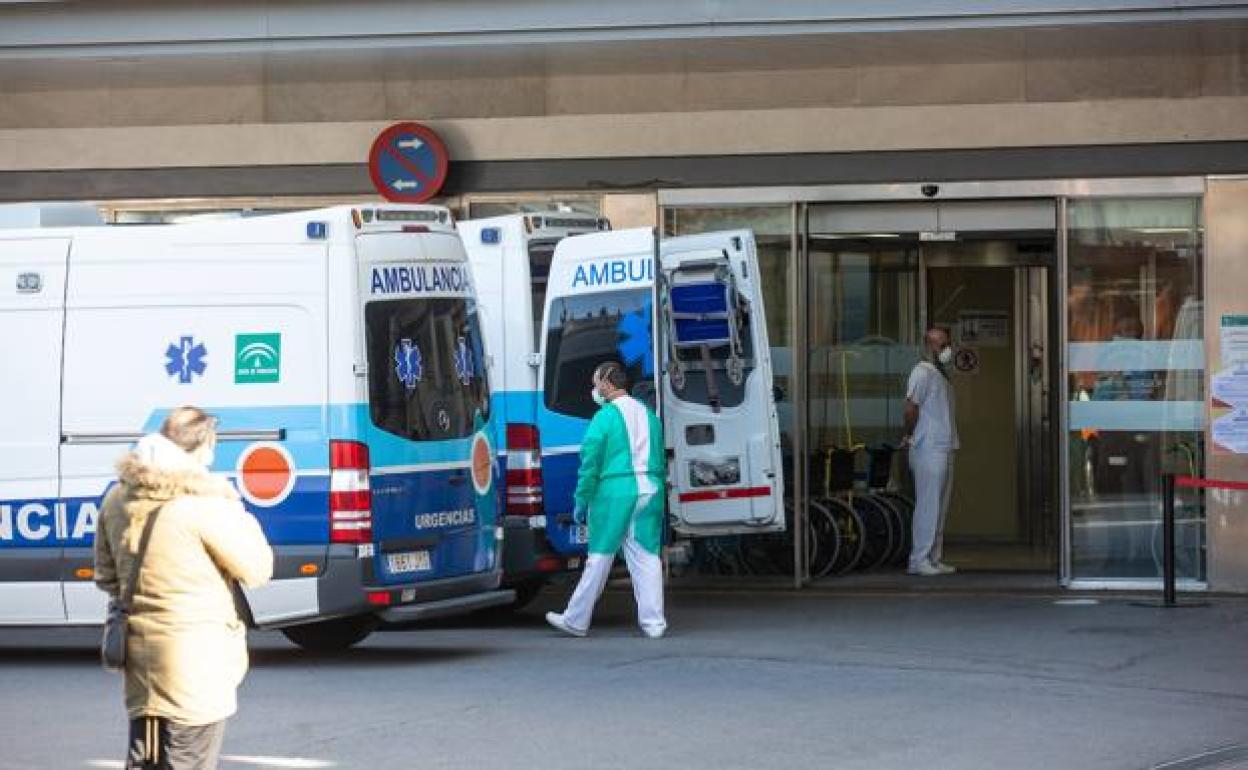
[
  {"x": 526, "y": 592},
  {"x": 331, "y": 635}
]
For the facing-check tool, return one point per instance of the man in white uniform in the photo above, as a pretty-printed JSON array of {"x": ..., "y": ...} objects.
[{"x": 932, "y": 435}]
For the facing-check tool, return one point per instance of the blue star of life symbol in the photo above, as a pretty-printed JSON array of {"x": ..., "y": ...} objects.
[
  {"x": 634, "y": 343},
  {"x": 408, "y": 365},
  {"x": 463, "y": 361},
  {"x": 185, "y": 359}
]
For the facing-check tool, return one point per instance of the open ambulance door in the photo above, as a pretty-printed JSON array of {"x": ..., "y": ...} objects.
[{"x": 718, "y": 408}]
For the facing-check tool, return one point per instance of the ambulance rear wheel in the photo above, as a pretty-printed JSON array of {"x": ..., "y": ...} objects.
[
  {"x": 331, "y": 635},
  {"x": 526, "y": 592}
]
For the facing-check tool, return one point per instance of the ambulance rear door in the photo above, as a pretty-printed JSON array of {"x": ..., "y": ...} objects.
[
  {"x": 434, "y": 494},
  {"x": 598, "y": 308},
  {"x": 718, "y": 409}
]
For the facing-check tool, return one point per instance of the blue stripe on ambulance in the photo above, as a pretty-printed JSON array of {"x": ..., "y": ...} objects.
[{"x": 459, "y": 547}]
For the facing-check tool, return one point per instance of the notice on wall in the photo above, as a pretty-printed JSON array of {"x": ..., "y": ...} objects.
[
  {"x": 1228, "y": 388},
  {"x": 1233, "y": 339},
  {"x": 1230, "y": 432},
  {"x": 984, "y": 328}
]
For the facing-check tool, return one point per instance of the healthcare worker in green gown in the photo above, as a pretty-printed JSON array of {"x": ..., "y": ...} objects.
[{"x": 619, "y": 491}]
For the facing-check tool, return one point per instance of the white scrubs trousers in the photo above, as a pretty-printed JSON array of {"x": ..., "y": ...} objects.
[
  {"x": 933, "y": 484},
  {"x": 644, "y": 568}
]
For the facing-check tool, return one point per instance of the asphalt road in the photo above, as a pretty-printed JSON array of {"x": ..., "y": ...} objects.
[{"x": 745, "y": 680}]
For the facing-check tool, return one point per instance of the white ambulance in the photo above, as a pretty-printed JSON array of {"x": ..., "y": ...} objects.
[
  {"x": 341, "y": 350},
  {"x": 713, "y": 378},
  {"x": 511, "y": 257}
]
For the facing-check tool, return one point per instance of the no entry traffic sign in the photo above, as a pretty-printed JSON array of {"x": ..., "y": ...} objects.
[{"x": 407, "y": 163}]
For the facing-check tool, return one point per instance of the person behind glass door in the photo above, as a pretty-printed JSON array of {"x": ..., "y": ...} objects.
[
  {"x": 619, "y": 493},
  {"x": 932, "y": 436}
]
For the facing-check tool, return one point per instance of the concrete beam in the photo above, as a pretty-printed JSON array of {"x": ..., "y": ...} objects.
[
  {"x": 629, "y": 174},
  {"x": 710, "y": 133},
  {"x": 62, "y": 30}
]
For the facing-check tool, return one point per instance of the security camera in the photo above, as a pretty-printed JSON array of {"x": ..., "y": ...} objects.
[{"x": 930, "y": 190}]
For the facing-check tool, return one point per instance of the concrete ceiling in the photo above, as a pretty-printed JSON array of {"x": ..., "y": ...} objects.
[{"x": 645, "y": 56}]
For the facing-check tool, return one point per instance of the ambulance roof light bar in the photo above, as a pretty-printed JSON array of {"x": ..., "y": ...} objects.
[
  {"x": 559, "y": 220},
  {"x": 411, "y": 219}
]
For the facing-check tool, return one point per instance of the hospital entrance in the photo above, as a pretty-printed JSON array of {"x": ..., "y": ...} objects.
[{"x": 879, "y": 275}]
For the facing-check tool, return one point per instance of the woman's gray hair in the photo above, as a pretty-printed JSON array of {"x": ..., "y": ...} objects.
[{"x": 189, "y": 427}]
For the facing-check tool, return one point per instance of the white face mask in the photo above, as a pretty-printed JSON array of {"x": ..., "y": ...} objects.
[
  {"x": 205, "y": 455},
  {"x": 599, "y": 399},
  {"x": 946, "y": 356}
]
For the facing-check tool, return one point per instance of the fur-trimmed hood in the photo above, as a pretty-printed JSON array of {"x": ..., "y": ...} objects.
[{"x": 157, "y": 469}]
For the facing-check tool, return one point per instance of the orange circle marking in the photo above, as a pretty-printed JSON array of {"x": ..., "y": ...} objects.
[
  {"x": 482, "y": 464},
  {"x": 266, "y": 474}
]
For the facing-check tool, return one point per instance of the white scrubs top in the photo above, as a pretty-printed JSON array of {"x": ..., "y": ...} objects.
[{"x": 937, "y": 430}]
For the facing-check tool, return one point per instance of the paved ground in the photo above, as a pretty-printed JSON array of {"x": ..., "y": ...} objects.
[{"x": 746, "y": 680}]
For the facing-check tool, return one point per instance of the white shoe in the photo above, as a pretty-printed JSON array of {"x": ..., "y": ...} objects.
[
  {"x": 556, "y": 620},
  {"x": 926, "y": 569},
  {"x": 654, "y": 633},
  {"x": 945, "y": 569}
]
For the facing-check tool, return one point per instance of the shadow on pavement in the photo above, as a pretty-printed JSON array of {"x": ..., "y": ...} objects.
[
  {"x": 365, "y": 655},
  {"x": 26, "y": 656}
]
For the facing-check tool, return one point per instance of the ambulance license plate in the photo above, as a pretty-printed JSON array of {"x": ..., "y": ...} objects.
[
  {"x": 413, "y": 561},
  {"x": 579, "y": 534}
]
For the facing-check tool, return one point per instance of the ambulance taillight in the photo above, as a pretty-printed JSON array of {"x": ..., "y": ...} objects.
[
  {"x": 524, "y": 470},
  {"x": 350, "y": 496}
]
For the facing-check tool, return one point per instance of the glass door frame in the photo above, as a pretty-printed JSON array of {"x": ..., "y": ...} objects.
[
  {"x": 802, "y": 197},
  {"x": 1183, "y": 187}
]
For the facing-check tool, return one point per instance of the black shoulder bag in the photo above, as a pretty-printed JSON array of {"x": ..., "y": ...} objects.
[{"x": 113, "y": 644}]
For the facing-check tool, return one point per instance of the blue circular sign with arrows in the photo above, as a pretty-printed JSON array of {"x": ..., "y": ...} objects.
[{"x": 408, "y": 163}]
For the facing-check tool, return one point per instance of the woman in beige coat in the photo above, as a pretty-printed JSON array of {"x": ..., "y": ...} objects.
[{"x": 186, "y": 648}]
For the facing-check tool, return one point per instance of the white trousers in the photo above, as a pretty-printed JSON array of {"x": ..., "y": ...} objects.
[
  {"x": 933, "y": 485},
  {"x": 644, "y": 568}
]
